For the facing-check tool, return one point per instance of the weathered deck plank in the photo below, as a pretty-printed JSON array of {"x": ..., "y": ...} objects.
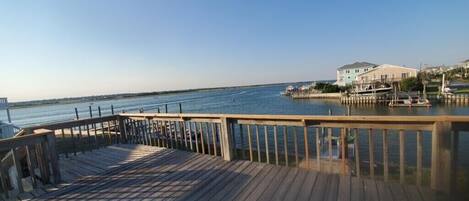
[{"x": 141, "y": 173}]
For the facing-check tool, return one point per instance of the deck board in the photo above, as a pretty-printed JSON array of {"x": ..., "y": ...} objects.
[{"x": 146, "y": 173}]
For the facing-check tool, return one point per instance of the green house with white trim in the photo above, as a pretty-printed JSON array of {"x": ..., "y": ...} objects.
[{"x": 348, "y": 73}]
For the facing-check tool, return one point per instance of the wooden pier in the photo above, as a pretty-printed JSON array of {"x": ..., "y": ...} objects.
[{"x": 232, "y": 157}]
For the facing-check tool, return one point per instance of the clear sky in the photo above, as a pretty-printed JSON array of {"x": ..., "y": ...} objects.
[{"x": 51, "y": 49}]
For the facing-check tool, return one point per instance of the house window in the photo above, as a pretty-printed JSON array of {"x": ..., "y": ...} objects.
[
  {"x": 357, "y": 70},
  {"x": 405, "y": 75},
  {"x": 347, "y": 71},
  {"x": 384, "y": 77},
  {"x": 366, "y": 69}
]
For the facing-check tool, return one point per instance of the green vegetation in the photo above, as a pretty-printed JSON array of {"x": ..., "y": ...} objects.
[
  {"x": 330, "y": 88},
  {"x": 411, "y": 84}
]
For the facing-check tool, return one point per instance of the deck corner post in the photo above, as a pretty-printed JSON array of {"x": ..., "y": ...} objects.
[
  {"x": 443, "y": 156},
  {"x": 227, "y": 140}
]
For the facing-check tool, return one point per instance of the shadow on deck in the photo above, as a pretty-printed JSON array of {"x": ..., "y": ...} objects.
[{"x": 148, "y": 173}]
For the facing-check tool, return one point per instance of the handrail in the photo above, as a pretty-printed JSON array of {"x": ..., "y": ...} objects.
[{"x": 427, "y": 119}]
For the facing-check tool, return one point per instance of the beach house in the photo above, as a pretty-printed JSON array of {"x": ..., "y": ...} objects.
[
  {"x": 384, "y": 74},
  {"x": 348, "y": 73}
]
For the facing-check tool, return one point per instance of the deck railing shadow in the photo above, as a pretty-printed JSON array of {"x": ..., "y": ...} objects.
[{"x": 161, "y": 175}]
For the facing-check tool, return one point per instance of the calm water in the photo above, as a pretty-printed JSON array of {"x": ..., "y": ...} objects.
[{"x": 252, "y": 100}]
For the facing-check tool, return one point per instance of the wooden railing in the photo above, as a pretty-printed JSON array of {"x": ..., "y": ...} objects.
[
  {"x": 364, "y": 146},
  {"x": 420, "y": 150},
  {"x": 40, "y": 153},
  {"x": 39, "y": 147}
]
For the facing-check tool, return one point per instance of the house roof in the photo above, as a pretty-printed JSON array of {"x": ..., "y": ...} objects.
[
  {"x": 387, "y": 66},
  {"x": 357, "y": 65}
]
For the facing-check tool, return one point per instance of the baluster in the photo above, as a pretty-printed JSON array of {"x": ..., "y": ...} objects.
[
  {"x": 329, "y": 136},
  {"x": 295, "y": 143},
  {"x": 249, "y": 142},
  {"x": 177, "y": 130},
  {"x": 173, "y": 130},
  {"x": 190, "y": 136},
  {"x": 196, "y": 138},
  {"x": 42, "y": 153},
  {"x": 207, "y": 135},
  {"x": 231, "y": 128},
  {"x": 157, "y": 132},
  {"x": 214, "y": 133},
  {"x": 285, "y": 144},
  {"x": 19, "y": 170},
  {"x": 305, "y": 136},
  {"x": 419, "y": 157},
  {"x": 64, "y": 141},
  {"x": 275, "y": 145},
  {"x": 80, "y": 140},
  {"x": 371, "y": 151},
  {"x": 343, "y": 147},
  {"x": 184, "y": 132},
  {"x": 73, "y": 142},
  {"x": 222, "y": 146},
  {"x": 241, "y": 136},
  {"x": 402, "y": 156},
  {"x": 89, "y": 136},
  {"x": 357, "y": 151},
  {"x": 258, "y": 144},
  {"x": 202, "y": 141},
  {"x": 30, "y": 159},
  {"x": 93, "y": 126},
  {"x": 164, "y": 128},
  {"x": 266, "y": 138},
  {"x": 385, "y": 155},
  {"x": 109, "y": 132},
  {"x": 150, "y": 132},
  {"x": 52, "y": 156},
  {"x": 318, "y": 149}
]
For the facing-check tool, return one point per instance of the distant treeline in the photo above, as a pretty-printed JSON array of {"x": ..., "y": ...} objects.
[{"x": 118, "y": 96}]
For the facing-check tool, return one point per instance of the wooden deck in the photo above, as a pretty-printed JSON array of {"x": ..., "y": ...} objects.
[{"x": 148, "y": 173}]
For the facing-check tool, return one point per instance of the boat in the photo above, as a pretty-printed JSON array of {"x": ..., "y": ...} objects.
[
  {"x": 289, "y": 90},
  {"x": 410, "y": 102},
  {"x": 372, "y": 90}
]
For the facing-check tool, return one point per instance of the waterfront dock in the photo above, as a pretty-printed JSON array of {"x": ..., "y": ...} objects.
[{"x": 233, "y": 157}]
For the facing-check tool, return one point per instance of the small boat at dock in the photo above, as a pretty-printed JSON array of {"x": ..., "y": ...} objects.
[{"x": 410, "y": 101}]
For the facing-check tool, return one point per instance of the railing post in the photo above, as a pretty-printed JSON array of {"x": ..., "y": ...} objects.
[
  {"x": 227, "y": 140},
  {"x": 122, "y": 130},
  {"x": 443, "y": 156}
]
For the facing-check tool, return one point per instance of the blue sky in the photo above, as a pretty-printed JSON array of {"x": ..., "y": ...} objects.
[{"x": 51, "y": 49}]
